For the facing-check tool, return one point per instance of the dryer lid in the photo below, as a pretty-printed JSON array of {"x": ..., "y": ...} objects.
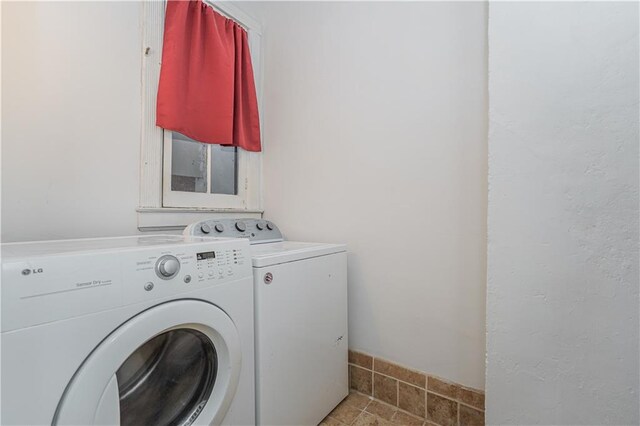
[{"x": 291, "y": 251}]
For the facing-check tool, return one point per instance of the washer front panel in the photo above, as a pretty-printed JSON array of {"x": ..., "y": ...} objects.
[{"x": 301, "y": 320}]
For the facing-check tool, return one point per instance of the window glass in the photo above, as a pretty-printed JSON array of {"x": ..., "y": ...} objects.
[
  {"x": 192, "y": 160},
  {"x": 168, "y": 380},
  {"x": 224, "y": 170},
  {"x": 188, "y": 164}
]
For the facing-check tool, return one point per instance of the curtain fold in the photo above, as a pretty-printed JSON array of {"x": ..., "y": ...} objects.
[{"x": 207, "y": 88}]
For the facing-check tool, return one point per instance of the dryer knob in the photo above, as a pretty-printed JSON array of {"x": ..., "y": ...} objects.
[
  {"x": 260, "y": 226},
  {"x": 205, "y": 228},
  {"x": 270, "y": 226},
  {"x": 240, "y": 226},
  {"x": 219, "y": 227},
  {"x": 167, "y": 266}
]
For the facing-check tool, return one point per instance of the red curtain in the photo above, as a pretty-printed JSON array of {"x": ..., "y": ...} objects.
[{"x": 207, "y": 89}]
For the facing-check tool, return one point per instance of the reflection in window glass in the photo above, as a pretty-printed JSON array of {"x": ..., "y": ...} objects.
[
  {"x": 168, "y": 380},
  {"x": 193, "y": 163},
  {"x": 224, "y": 169},
  {"x": 188, "y": 164}
]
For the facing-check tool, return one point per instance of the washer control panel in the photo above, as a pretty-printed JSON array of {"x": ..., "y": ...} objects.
[{"x": 257, "y": 231}]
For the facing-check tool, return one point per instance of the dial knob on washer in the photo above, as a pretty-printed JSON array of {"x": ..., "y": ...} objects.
[
  {"x": 205, "y": 228},
  {"x": 240, "y": 226},
  {"x": 260, "y": 226},
  {"x": 219, "y": 227},
  {"x": 167, "y": 266},
  {"x": 270, "y": 226}
]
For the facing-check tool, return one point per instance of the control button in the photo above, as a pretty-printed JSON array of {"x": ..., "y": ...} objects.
[
  {"x": 240, "y": 226},
  {"x": 205, "y": 228},
  {"x": 229, "y": 271},
  {"x": 187, "y": 279},
  {"x": 219, "y": 227},
  {"x": 200, "y": 275},
  {"x": 270, "y": 226},
  {"x": 167, "y": 267},
  {"x": 260, "y": 226},
  {"x": 148, "y": 286},
  {"x": 210, "y": 273}
]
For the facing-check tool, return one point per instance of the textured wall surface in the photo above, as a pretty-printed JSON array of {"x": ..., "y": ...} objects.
[
  {"x": 562, "y": 305},
  {"x": 375, "y": 134},
  {"x": 70, "y": 119}
]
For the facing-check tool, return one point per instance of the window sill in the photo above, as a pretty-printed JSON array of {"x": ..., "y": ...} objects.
[{"x": 171, "y": 218}]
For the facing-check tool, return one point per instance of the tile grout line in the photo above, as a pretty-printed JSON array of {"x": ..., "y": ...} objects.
[
  {"x": 372, "y": 399},
  {"x": 362, "y": 411},
  {"x": 459, "y": 390},
  {"x": 373, "y": 381},
  {"x": 470, "y": 406},
  {"x": 396, "y": 408},
  {"x": 426, "y": 398},
  {"x": 426, "y": 388},
  {"x": 456, "y": 400},
  {"x": 391, "y": 377},
  {"x": 442, "y": 379},
  {"x": 425, "y": 420},
  {"x": 362, "y": 368},
  {"x": 397, "y": 394}
]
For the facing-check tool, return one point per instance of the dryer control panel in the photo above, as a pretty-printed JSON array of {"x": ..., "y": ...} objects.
[
  {"x": 164, "y": 273},
  {"x": 257, "y": 231},
  {"x": 55, "y": 280}
]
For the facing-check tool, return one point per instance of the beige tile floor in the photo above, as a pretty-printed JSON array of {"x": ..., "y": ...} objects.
[{"x": 361, "y": 410}]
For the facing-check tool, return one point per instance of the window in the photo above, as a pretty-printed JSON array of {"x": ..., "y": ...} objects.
[
  {"x": 181, "y": 178},
  {"x": 197, "y": 167},
  {"x": 202, "y": 175}
]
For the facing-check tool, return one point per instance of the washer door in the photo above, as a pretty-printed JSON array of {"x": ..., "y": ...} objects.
[{"x": 176, "y": 363}]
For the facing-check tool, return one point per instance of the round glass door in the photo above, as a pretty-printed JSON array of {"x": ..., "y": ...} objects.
[
  {"x": 168, "y": 380},
  {"x": 176, "y": 363}
]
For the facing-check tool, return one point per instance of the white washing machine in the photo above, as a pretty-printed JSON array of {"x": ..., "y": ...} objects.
[
  {"x": 133, "y": 331},
  {"x": 300, "y": 321}
]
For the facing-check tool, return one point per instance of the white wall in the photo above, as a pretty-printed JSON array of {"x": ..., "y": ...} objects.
[
  {"x": 375, "y": 134},
  {"x": 70, "y": 119},
  {"x": 562, "y": 303}
]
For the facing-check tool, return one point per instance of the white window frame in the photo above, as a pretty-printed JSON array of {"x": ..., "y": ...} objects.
[{"x": 159, "y": 206}]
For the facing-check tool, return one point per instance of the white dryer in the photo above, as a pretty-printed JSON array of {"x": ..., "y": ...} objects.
[
  {"x": 132, "y": 331},
  {"x": 300, "y": 321}
]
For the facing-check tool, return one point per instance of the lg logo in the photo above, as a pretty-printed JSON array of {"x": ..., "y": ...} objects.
[{"x": 31, "y": 271}]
